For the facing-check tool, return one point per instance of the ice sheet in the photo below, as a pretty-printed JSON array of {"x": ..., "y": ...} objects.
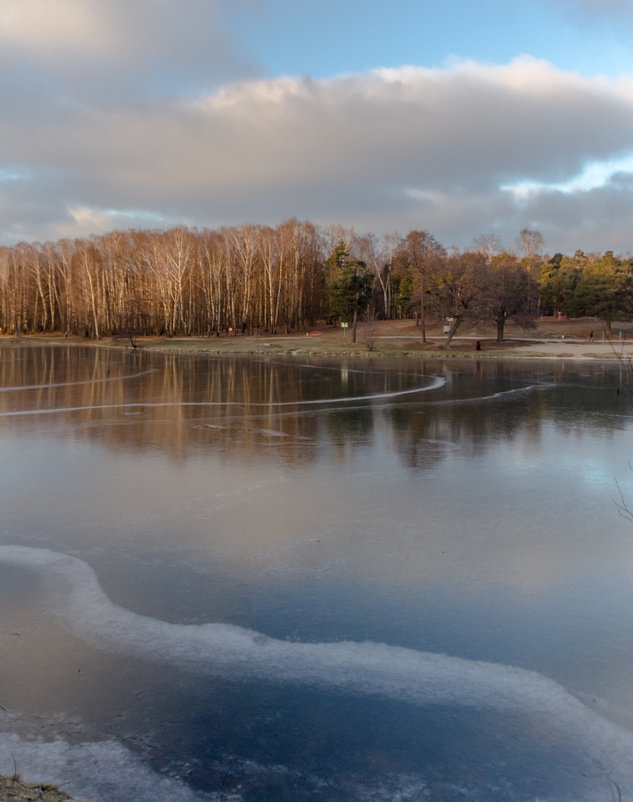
[
  {"x": 433, "y": 384},
  {"x": 370, "y": 669},
  {"x": 99, "y": 772}
]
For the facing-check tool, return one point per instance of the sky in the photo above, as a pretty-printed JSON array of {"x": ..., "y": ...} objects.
[{"x": 466, "y": 118}]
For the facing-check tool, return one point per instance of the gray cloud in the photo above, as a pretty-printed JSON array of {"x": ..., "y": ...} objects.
[
  {"x": 597, "y": 220},
  {"x": 392, "y": 149},
  {"x": 91, "y": 50}
]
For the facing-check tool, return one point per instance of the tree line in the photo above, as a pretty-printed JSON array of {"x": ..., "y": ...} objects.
[{"x": 262, "y": 279}]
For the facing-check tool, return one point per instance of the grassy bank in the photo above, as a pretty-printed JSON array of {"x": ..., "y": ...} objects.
[
  {"x": 12, "y": 789},
  {"x": 565, "y": 338}
]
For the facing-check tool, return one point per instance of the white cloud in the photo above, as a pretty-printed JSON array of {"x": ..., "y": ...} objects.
[
  {"x": 65, "y": 25},
  {"x": 398, "y": 148}
]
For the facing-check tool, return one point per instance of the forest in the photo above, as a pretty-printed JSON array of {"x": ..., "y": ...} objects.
[{"x": 260, "y": 279}]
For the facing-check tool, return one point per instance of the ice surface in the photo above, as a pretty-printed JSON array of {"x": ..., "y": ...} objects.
[
  {"x": 500, "y": 394},
  {"x": 99, "y": 772},
  {"x": 369, "y": 669},
  {"x": 433, "y": 384},
  {"x": 13, "y": 389}
]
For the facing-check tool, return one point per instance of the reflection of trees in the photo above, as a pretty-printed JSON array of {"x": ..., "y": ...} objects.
[
  {"x": 489, "y": 401},
  {"x": 344, "y": 425},
  {"x": 180, "y": 404}
]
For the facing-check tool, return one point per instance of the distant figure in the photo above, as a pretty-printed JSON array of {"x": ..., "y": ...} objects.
[
  {"x": 591, "y": 335},
  {"x": 478, "y": 345}
]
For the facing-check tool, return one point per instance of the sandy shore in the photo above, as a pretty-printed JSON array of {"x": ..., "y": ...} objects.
[{"x": 578, "y": 349}]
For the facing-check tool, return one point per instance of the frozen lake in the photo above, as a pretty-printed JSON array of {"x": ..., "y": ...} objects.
[{"x": 315, "y": 579}]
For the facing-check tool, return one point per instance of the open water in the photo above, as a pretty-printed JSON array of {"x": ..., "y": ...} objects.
[{"x": 315, "y": 579}]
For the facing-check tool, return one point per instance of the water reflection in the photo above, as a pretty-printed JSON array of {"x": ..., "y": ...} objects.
[{"x": 183, "y": 404}]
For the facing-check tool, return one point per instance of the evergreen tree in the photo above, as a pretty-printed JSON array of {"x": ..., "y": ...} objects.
[
  {"x": 605, "y": 290},
  {"x": 559, "y": 279},
  {"x": 348, "y": 286}
]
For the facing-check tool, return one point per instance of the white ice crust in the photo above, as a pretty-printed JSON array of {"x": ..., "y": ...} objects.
[{"x": 369, "y": 669}]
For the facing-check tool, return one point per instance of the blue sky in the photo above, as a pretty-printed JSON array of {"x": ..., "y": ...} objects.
[
  {"x": 328, "y": 37},
  {"x": 465, "y": 118}
]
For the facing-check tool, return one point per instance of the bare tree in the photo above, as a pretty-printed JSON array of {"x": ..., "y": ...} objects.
[
  {"x": 530, "y": 244},
  {"x": 505, "y": 291},
  {"x": 461, "y": 288},
  {"x": 378, "y": 254},
  {"x": 422, "y": 255},
  {"x": 489, "y": 245}
]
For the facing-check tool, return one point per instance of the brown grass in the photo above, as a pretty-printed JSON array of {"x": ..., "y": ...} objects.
[{"x": 387, "y": 338}]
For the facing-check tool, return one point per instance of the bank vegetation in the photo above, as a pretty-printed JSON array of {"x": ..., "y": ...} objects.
[{"x": 256, "y": 279}]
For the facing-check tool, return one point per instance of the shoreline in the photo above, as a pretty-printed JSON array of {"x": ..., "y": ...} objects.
[
  {"x": 380, "y": 346},
  {"x": 14, "y": 789}
]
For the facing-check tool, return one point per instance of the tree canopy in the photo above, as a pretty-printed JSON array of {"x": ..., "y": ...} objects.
[
  {"x": 348, "y": 286},
  {"x": 255, "y": 278}
]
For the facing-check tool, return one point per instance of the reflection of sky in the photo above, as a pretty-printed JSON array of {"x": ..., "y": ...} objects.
[
  {"x": 355, "y": 478},
  {"x": 501, "y": 517},
  {"x": 476, "y": 521}
]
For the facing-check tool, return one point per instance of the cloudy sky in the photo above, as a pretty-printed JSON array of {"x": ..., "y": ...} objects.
[{"x": 463, "y": 117}]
